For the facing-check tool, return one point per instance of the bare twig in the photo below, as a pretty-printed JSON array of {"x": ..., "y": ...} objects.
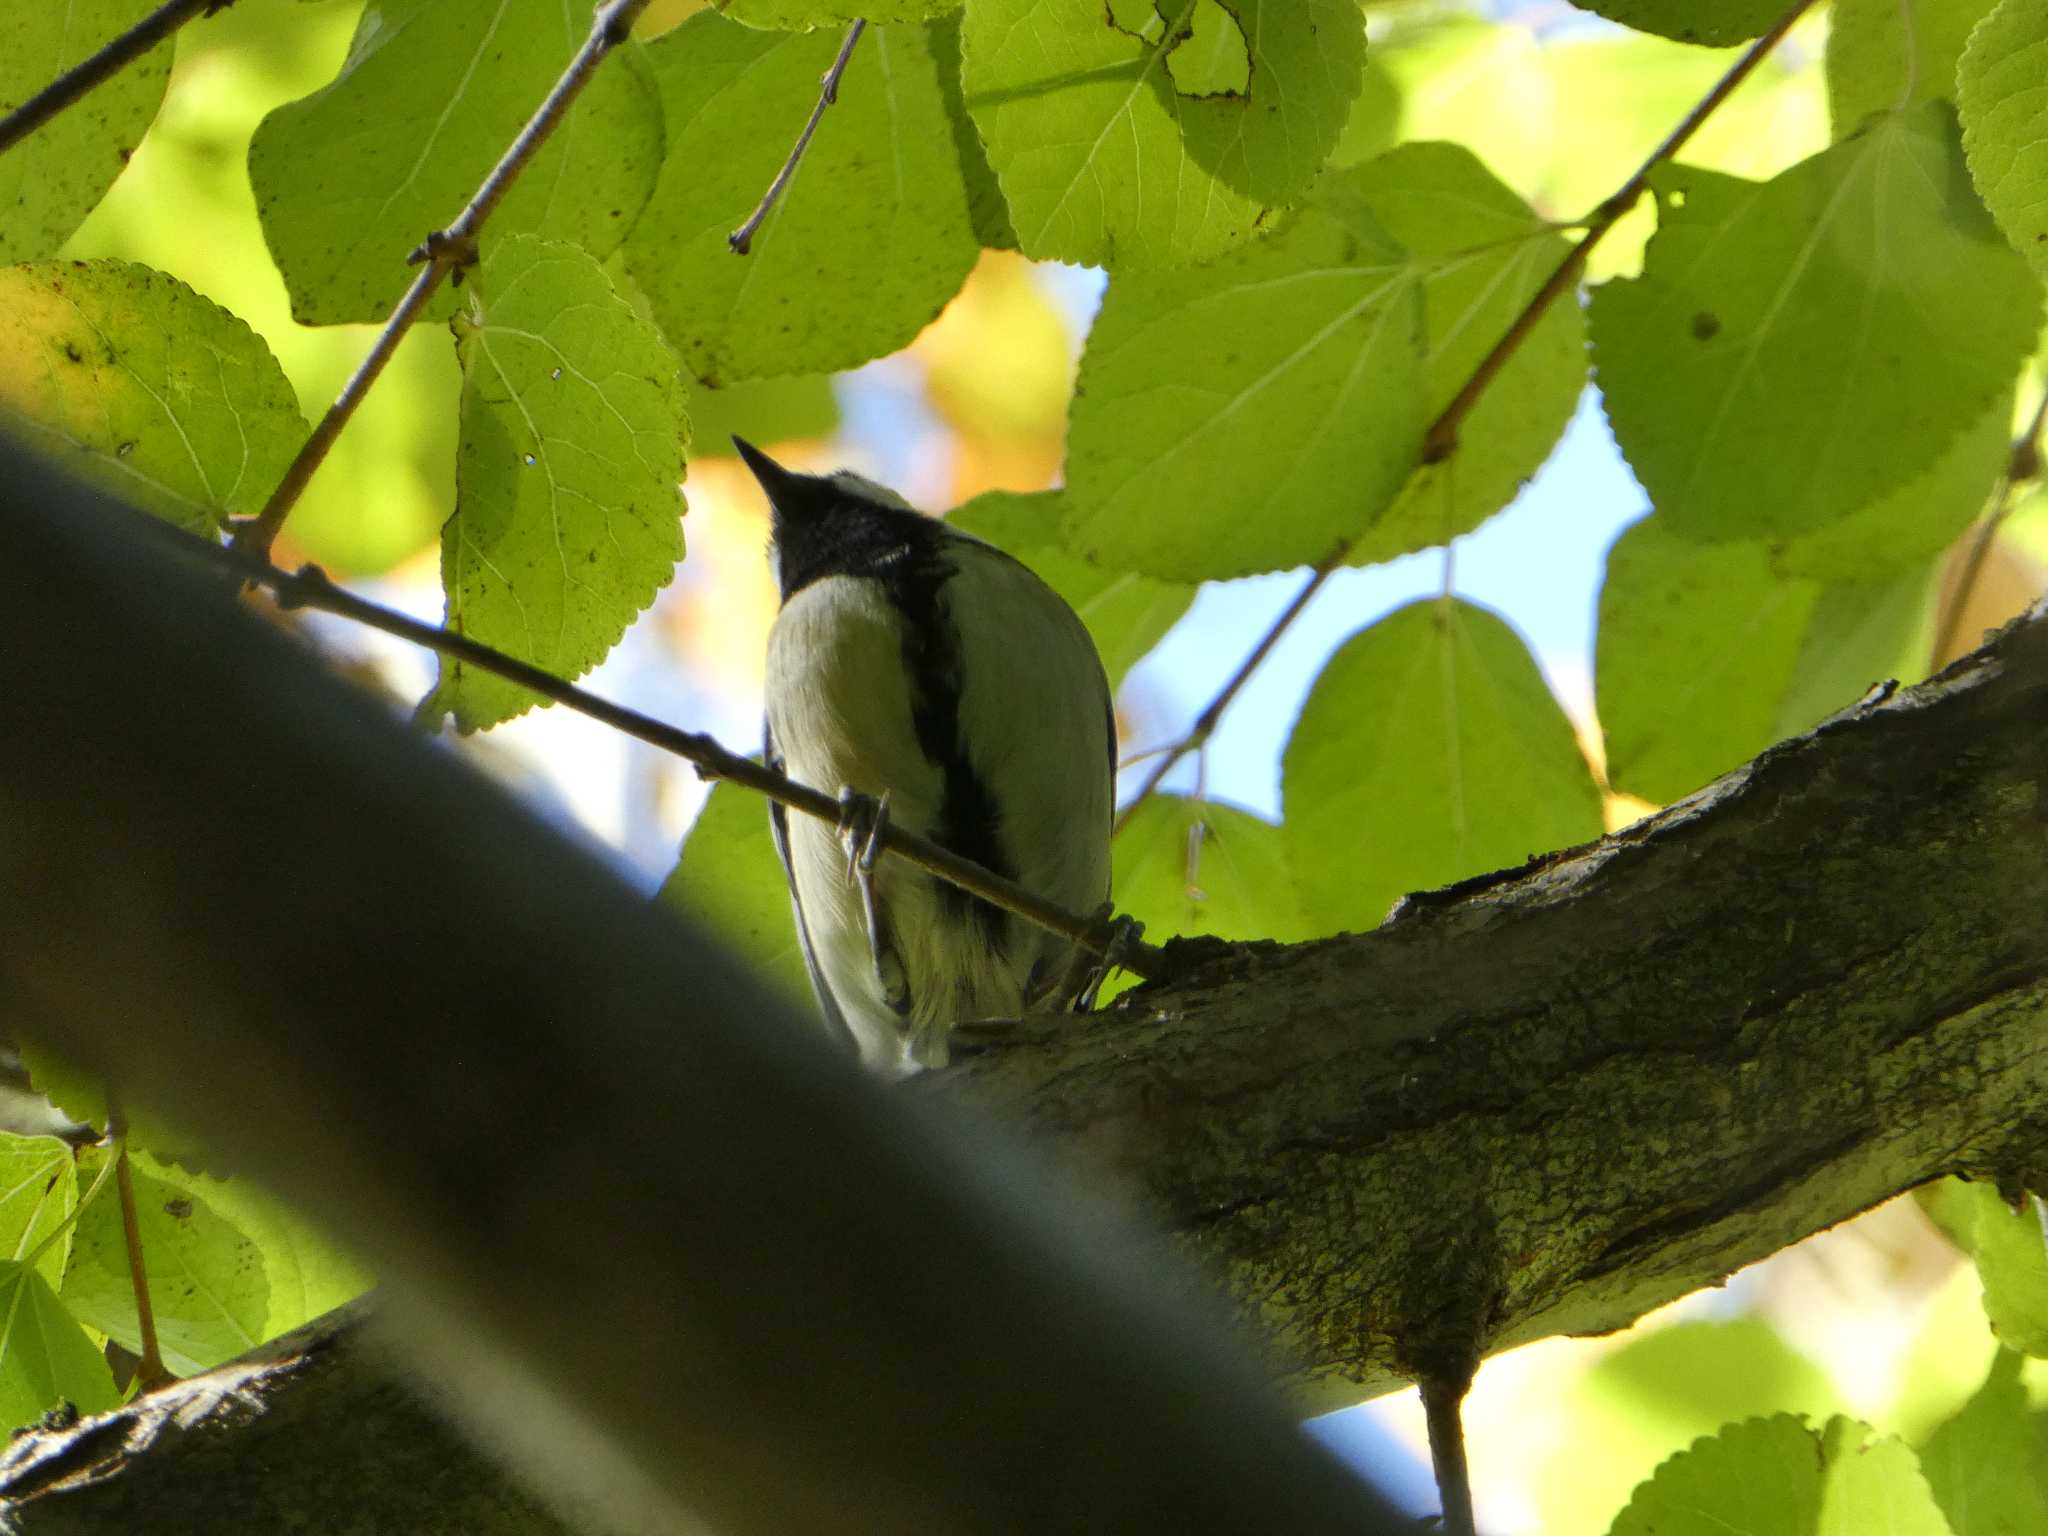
[
  {"x": 1441, "y": 440},
  {"x": 444, "y": 252},
  {"x": 102, "y": 66},
  {"x": 2022, "y": 466},
  {"x": 309, "y": 587},
  {"x": 742, "y": 239}
]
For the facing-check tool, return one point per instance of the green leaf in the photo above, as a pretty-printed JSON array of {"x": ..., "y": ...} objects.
[
  {"x": 351, "y": 178},
  {"x": 567, "y": 517},
  {"x": 1126, "y": 614},
  {"x": 1707, "y": 654},
  {"x": 1777, "y": 1477},
  {"x": 869, "y": 240},
  {"x": 45, "y": 1357},
  {"x": 729, "y": 880},
  {"x": 802, "y": 15},
  {"x": 1429, "y": 750},
  {"x": 1481, "y": 255},
  {"x": 208, "y": 1286},
  {"x": 2011, "y": 1255},
  {"x": 1905, "y": 528},
  {"x": 762, "y": 411},
  {"x": 1103, "y": 156},
  {"x": 38, "y": 1189},
  {"x": 986, "y": 210},
  {"x": 50, "y": 181},
  {"x": 1887, "y": 54},
  {"x": 2005, "y": 121},
  {"x": 1983, "y": 1464},
  {"x": 1194, "y": 866},
  {"x": 305, "y": 1275},
  {"x": 138, "y": 384},
  {"x": 1286, "y": 378},
  {"x": 1798, "y": 347},
  {"x": 1714, "y": 22}
]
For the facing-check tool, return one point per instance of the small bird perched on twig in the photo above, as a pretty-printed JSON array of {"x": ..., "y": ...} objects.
[{"x": 942, "y": 685}]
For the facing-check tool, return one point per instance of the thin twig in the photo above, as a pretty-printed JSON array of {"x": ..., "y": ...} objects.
[
  {"x": 742, "y": 239},
  {"x": 444, "y": 252},
  {"x": 309, "y": 587},
  {"x": 82, "y": 77},
  {"x": 1441, "y": 440},
  {"x": 2022, "y": 466}
]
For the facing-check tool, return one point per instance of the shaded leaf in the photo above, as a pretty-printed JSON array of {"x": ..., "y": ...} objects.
[
  {"x": 1887, "y": 54},
  {"x": 1187, "y": 866},
  {"x": 1429, "y": 750},
  {"x": 1983, "y": 1464},
  {"x": 729, "y": 880},
  {"x": 2005, "y": 121},
  {"x": 45, "y": 1357}
]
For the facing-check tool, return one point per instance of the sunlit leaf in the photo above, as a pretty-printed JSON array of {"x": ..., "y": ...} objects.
[
  {"x": 567, "y": 518},
  {"x": 1796, "y": 348},
  {"x": 351, "y": 178},
  {"x": 1254, "y": 414},
  {"x": 802, "y": 15},
  {"x": 869, "y": 240},
  {"x": 135, "y": 382},
  {"x": 1985, "y": 1464},
  {"x": 1887, "y": 54},
  {"x": 50, "y": 181},
  {"x": 2005, "y": 121},
  {"x": 208, "y": 1287},
  {"x": 1103, "y": 155},
  {"x": 38, "y": 1189},
  {"x": 45, "y": 1357},
  {"x": 1712, "y": 22},
  {"x": 1777, "y": 1477},
  {"x": 2011, "y": 1250},
  {"x": 1429, "y": 750}
]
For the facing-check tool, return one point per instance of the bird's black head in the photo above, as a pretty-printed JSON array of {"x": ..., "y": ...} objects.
[{"x": 839, "y": 525}]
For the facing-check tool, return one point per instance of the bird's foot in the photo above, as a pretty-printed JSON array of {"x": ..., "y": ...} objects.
[
  {"x": 862, "y": 819},
  {"x": 1119, "y": 935}
]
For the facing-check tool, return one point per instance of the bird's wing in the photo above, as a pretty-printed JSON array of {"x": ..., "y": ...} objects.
[{"x": 778, "y": 825}]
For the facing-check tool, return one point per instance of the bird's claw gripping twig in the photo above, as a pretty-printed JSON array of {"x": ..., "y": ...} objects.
[
  {"x": 862, "y": 819},
  {"x": 1119, "y": 935}
]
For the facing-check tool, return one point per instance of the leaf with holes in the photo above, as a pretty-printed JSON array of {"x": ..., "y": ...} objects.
[
  {"x": 1143, "y": 136},
  {"x": 1429, "y": 749},
  {"x": 567, "y": 514},
  {"x": 1798, "y": 347},
  {"x": 870, "y": 238},
  {"x": 354, "y": 176},
  {"x": 1254, "y": 414},
  {"x": 208, "y": 1287},
  {"x": 133, "y": 381}
]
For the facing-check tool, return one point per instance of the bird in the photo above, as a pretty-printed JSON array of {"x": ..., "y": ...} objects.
[{"x": 942, "y": 687}]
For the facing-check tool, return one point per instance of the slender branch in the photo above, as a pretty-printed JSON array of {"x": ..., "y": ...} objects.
[
  {"x": 309, "y": 587},
  {"x": 742, "y": 239},
  {"x": 102, "y": 66},
  {"x": 2022, "y": 466},
  {"x": 1441, "y": 440},
  {"x": 444, "y": 253},
  {"x": 1441, "y": 1403}
]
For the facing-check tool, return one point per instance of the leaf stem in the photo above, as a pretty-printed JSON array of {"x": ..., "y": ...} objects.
[
  {"x": 2022, "y": 466},
  {"x": 149, "y": 1370},
  {"x": 444, "y": 253},
  {"x": 742, "y": 239},
  {"x": 1441, "y": 440},
  {"x": 309, "y": 587},
  {"x": 84, "y": 76}
]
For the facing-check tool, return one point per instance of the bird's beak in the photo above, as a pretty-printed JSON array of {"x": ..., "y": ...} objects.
[{"x": 780, "y": 484}]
